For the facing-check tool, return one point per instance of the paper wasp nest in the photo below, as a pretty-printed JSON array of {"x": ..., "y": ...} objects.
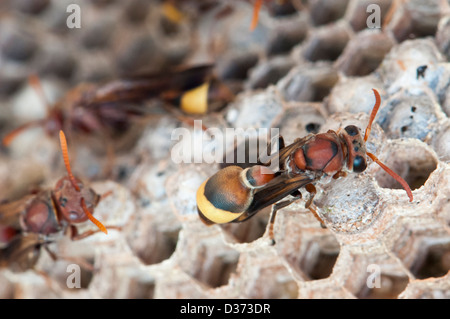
[{"x": 302, "y": 70}]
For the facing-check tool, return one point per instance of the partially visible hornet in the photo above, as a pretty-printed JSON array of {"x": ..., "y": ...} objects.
[
  {"x": 109, "y": 109},
  {"x": 29, "y": 223}
]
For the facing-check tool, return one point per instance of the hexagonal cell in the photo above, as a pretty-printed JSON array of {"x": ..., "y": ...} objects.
[
  {"x": 153, "y": 242},
  {"x": 236, "y": 65},
  {"x": 287, "y": 34},
  {"x": 320, "y": 257},
  {"x": 412, "y": 161},
  {"x": 254, "y": 110},
  {"x": 371, "y": 275},
  {"x": 399, "y": 68},
  {"x": 433, "y": 262},
  {"x": 59, "y": 271},
  {"x": 262, "y": 274},
  {"x": 282, "y": 286},
  {"x": 97, "y": 34},
  {"x": 202, "y": 254},
  {"x": 357, "y": 12},
  {"x": 409, "y": 115},
  {"x": 354, "y": 94},
  {"x": 309, "y": 82},
  {"x": 423, "y": 248},
  {"x": 309, "y": 250},
  {"x": 16, "y": 43},
  {"x": 85, "y": 276},
  {"x": 215, "y": 269},
  {"x": 31, "y": 7},
  {"x": 390, "y": 288},
  {"x": 58, "y": 60},
  {"x": 415, "y": 19},
  {"x": 323, "y": 12},
  {"x": 181, "y": 188},
  {"x": 326, "y": 43},
  {"x": 281, "y": 9},
  {"x": 163, "y": 246},
  {"x": 142, "y": 48},
  {"x": 364, "y": 53},
  {"x": 235, "y": 18},
  {"x": 10, "y": 83},
  {"x": 348, "y": 204},
  {"x": 300, "y": 119},
  {"x": 147, "y": 181},
  {"x": 269, "y": 72}
]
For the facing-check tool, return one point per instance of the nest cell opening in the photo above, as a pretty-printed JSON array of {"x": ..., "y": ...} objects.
[
  {"x": 313, "y": 127},
  {"x": 269, "y": 73},
  {"x": 389, "y": 288},
  {"x": 86, "y": 276},
  {"x": 215, "y": 269},
  {"x": 305, "y": 86},
  {"x": 283, "y": 41},
  {"x": 434, "y": 262},
  {"x": 416, "y": 25},
  {"x": 364, "y": 53},
  {"x": 323, "y": 12},
  {"x": 414, "y": 164},
  {"x": 236, "y": 67},
  {"x": 140, "y": 289},
  {"x": 326, "y": 43},
  {"x": 160, "y": 249},
  {"x": 319, "y": 258},
  {"x": 324, "y": 265},
  {"x": 359, "y": 14},
  {"x": 324, "y": 49},
  {"x": 62, "y": 274},
  {"x": 281, "y": 8},
  {"x": 363, "y": 63}
]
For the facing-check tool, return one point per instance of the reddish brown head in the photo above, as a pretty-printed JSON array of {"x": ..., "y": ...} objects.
[
  {"x": 74, "y": 201},
  {"x": 67, "y": 200}
]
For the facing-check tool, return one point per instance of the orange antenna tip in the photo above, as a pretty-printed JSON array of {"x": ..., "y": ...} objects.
[
  {"x": 92, "y": 218},
  {"x": 394, "y": 175}
]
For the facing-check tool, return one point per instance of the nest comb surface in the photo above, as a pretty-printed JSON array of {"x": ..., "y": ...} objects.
[{"x": 304, "y": 71}]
